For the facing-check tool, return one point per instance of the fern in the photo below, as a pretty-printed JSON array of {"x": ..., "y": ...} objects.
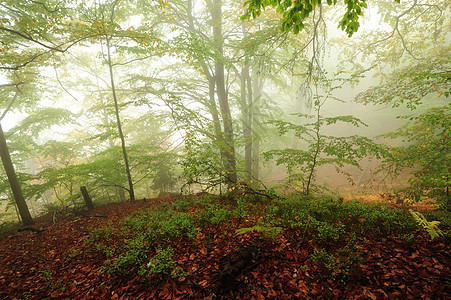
[{"x": 431, "y": 227}]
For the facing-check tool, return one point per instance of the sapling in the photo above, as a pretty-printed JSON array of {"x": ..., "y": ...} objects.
[{"x": 322, "y": 149}]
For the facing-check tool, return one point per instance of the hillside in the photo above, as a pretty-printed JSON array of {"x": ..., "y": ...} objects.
[{"x": 286, "y": 249}]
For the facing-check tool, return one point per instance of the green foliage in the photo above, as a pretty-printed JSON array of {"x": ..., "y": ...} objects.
[
  {"x": 328, "y": 220},
  {"x": 330, "y": 233},
  {"x": 41, "y": 119},
  {"x": 28, "y": 30},
  {"x": 413, "y": 83},
  {"x": 444, "y": 217},
  {"x": 343, "y": 264},
  {"x": 242, "y": 208},
  {"x": 127, "y": 247},
  {"x": 182, "y": 204},
  {"x": 202, "y": 164},
  {"x": 427, "y": 143},
  {"x": 163, "y": 264},
  {"x": 431, "y": 227},
  {"x": 295, "y": 14},
  {"x": 268, "y": 231},
  {"x": 213, "y": 214},
  {"x": 6, "y": 226},
  {"x": 322, "y": 149},
  {"x": 161, "y": 224},
  {"x": 102, "y": 240},
  {"x": 137, "y": 251}
]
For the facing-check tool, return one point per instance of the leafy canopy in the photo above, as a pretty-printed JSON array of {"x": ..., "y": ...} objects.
[{"x": 295, "y": 12}]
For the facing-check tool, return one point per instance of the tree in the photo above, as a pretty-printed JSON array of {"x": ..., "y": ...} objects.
[
  {"x": 322, "y": 149},
  {"x": 247, "y": 59},
  {"x": 426, "y": 145},
  {"x": 410, "y": 57},
  {"x": 13, "y": 181},
  {"x": 28, "y": 33},
  {"x": 207, "y": 52},
  {"x": 104, "y": 23}
]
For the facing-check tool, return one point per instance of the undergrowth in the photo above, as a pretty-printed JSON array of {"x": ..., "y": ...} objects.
[{"x": 145, "y": 243}]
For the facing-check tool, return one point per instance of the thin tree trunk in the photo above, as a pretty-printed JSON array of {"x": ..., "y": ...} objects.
[
  {"x": 86, "y": 197},
  {"x": 14, "y": 182},
  {"x": 315, "y": 155},
  {"x": 246, "y": 106},
  {"x": 246, "y": 111},
  {"x": 119, "y": 126},
  {"x": 229, "y": 148},
  {"x": 257, "y": 85}
]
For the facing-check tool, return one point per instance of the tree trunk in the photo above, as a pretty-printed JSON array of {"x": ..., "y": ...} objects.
[
  {"x": 14, "y": 182},
  {"x": 88, "y": 200},
  {"x": 229, "y": 148},
  {"x": 246, "y": 114},
  {"x": 119, "y": 126},
  {"x": 257, "y": 85}
]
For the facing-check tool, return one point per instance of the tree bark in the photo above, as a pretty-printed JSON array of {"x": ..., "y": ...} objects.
[
  {"x": 246, "y": 115},
  {"x": 257, "y": 85},
  {"x": 229, "y": 148},
  {"x": 88, "y": 200},
  {"x": 14, "y": 182},
  {"x": 119, "y": 126}
]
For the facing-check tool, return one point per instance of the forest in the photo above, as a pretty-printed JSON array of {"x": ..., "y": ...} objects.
[{"x": 208, "y": 149}]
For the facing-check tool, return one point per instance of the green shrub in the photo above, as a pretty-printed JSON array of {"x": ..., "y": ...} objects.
[
  {"x": 342, "y": 264},
  {"x": 430, "y": 226},
  {"x": 165, "y": 224},
  {"x": 137, "y": 251},
  {"x": 137, "y": 236},
  {"x": 241, "y": 209},
  {"x": 327, "y": 219},
  {"x": 162, "y": 262},
  {"x": 268, "y": 231},
  {"x": 328, "y": 233},
  {"x": 101, "y": 234},
  {"x": 182, "y": 204},
  {"x": 102, "y": 240},
  {"x": 213, "y": 215},
  {"x": 444, "y": 217}
]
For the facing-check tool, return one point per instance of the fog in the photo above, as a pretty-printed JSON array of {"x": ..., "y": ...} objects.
[{"x": 158, "y": 98}]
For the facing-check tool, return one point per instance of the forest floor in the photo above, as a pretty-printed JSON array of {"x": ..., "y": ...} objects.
[{"x": 54, "y": 262}]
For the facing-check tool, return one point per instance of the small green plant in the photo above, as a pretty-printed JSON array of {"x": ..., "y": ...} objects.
[
  {"x": 164, "y": 264},
  {"x": 162, "y": 223},
  {"x": 431, "y": 227},
  {"x": 342, "y": 264},
  {"x": 46, "y": 274},
  {"x": 182, "y": 205},
  {"x": 212, "y": 214},
  {"x": 268, "y": 231},
  {"x": 407, "y": 237},
  {"x": 135, "y": 256},
  {"x": 241, "y": 208},
  {"x": 328, "y": 233},
  {"x": 6, "y": 226},
  {"x": 104, "y": 234},
  {"x": 128, "y": 246}
]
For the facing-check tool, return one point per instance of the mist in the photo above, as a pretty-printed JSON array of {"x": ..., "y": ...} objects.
[
  {"x": 171, "y": 98},
  {"x": 216, "y": 149}
]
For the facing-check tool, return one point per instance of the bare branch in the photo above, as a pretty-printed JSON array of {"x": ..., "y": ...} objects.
[
  {"x": 396, "y": 30},
  {"x": 9, "y": 106},
  {"x": 27, "y": 37},
  {"x": 10, "y": 84}
]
